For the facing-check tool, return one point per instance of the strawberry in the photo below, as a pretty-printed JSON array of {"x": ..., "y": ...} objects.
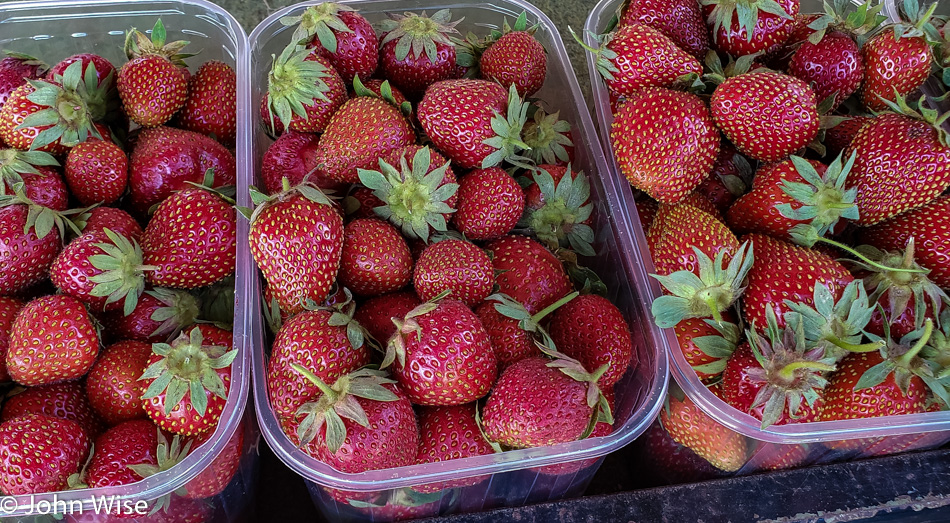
[
  {"x": 784, "y": 273},
  {"x": 326, "y": 343},
  {"x": 707, "y": 344},
  {"x": 112, "y": 385},
  {"x": 376, "y": 313},
  {"x": 97, "y": 172},
  {"x": 152, "y": 84},
  {"x": 664, "y": 152},
  {"x": 447, "y": 433},
  {"x": 121, "y": 452},
  {"x": 689, "y": 426},
  {"x": 660, "y": 455},
  {"x": 102, "y": 67},
  {"x": 558, "y": 208},
  {"x": 303, "y": 91},
  {"x": 834, "y": 66},
  {"x": 516, "y": 58},
  {"x": 728, "y": 179},
  {"x": 527, "y": 272},
  {"x": 375, "y": 258},
  {"x": 742, "y": 28},
  {"x": 738, "y": 103},
  {"x": 29, "y": 242},
  {"x": 38, "y": 172},
  {"x": 383, "y": 89},
  {"x": 292, "y": 156},
  {"x": 158, "y": 317},
  {"x": 593, "y": 331},
  {"x": 100, "y": 218},
  {"x": 211, "y": 106},
  {"x": 637, "y": 56},
  {"x": 839, "y": 137},
  {"x": 493, "y": 120},
  {"x": 457, "y": 266},
  {"x": 341, "y": 35},
  {"x": 187, "y": 382},
  {"x": 8, "y": 311},
  {"x": 39, "y": 453},
  {"x": 415, "y": 51},
  {"x": 52, "y": 340},
  {"x": 647, "y": 209},
  {"x": 442, "y": 354},
  {"x": 164, "y": 160},
  {"x": 101, "y": 97},
  {"x": 902, "y": 162},
  {"x": 296, "y": 238},
  {"x": 924, "y": 226},
  {"x": 679, "y": 20},
  {"x": 417, "y": 188},
  {"x": 548, "y": 137},
  {"x": 15, "y": 70},
  {"x": 191, "y": 239},
  {"x": 59, "y": 400},
  {"x": 897, "y": 59},
  {"x": 215, "y": 478},
  {"x": 490, "y": 204}
]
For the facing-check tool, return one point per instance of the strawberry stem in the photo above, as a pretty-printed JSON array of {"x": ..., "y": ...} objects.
[
  {"x": 865, "y": 259},
  {"x": 331, "y": 394},
  {"x": 713, "y": 304},
  {"x": 553, "y": 307},
  {"x": 850, "y": 347},
  {"x": 904, "y": 360},
  {"x": 788, "y": 372}
]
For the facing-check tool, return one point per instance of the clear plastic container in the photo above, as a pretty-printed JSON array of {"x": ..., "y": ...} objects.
[
  {"x": 511, "y": 478},
  {"x": 54, "y": 30},
  {"x": 805, "y": 443}
]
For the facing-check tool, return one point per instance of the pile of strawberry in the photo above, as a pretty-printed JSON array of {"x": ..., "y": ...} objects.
[
  {"x": 812, "y": 286},
  {"x": 416, "y": 239},
  {"x": 106, "y": 327}
]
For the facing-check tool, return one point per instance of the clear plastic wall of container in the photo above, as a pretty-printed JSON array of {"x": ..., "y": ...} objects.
[
  {"x": 777, "y": 446},
  {"x": 516, "y": 477},
  {"x": 52, "y": 31}
]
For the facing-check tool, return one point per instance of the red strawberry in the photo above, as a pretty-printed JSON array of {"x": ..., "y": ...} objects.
[
  {"x": 29, "y": 251},
  {"x": 39, "y": 453},
  {"x": 689, "y": 426},
  {"x": 728, "y": 179},
  {"x": 117, "y": 220},
  {"x": 159, "y": 316},
  {"x": 509, "y": 340},
  {"x": 751, "y": 28},
  {"x": 165, "y": 159},
  {"x": 548, "y": 137},
  {"x": 442, "y": 354},
  {"x": 105, "y": 71},
  {"x": 320, "y": 342},
  {"x": 447, "y": 433},
  {"x": 97, "y": 172},
  {"x": 112, "y": 385},
  {"x": 152, "y": 85},
  {"x": 516, "y": 58},
  {"x": 850, "y": 395},
  {"x": 341, "y": 35},
  {"x": 895, "y": 60},
  {"x": 415, "y": 50},
  {"x": 120, "y": 451},
  {"x": 707, "y": 344},
  {"x": 375, "y": 258},
  {"x": 679, "y": 230},
  {"x": 37, "y": 171},
  {"x": 303, "y": 92},
  {"x": 527, "y": 272},
  {"x": 679, "y": 20},
  {"x": 839, "y": 137},
  {"x": 670, "y": 461},
  {"x": 8, "y": 311},
  {"x": 382, "y": 89},
  {"x": 664, "y": 152},
  {"x": 490, "y": 203},
  {"x": 15, "y": 70},
  {"x": 191, "y": 240},
  {"x": 647, "y": 209},
  {"x": 215, "y": 478},
  {"x": 198, "y": 361},
  {"x": 376, "y": 313},
  {"x": 292, "y": 156},
  {"x": 102, "y": 97},
  {"x": 211, "y": 106},
  {"x": 455, "y": 265},
  {"x": 592, "y": 330},
  {"x": 558, "y": 208},
  {"x": 737, "y": 106},
  {"x": 52, "y": 340},
  {"x": 297, "y": 241},
  {"x": 834, "y": 66},
  {"x": 59, "y": 400}
]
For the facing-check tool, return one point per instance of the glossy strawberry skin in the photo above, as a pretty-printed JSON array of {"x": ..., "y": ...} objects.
[
  {"x": 834, "y": 66},
  {"x": 510, "y": 342},
  {"x": 689, "y": 426},
  {"x": 46, "y": 188},
  {"x": 901, "y": 64},
  {"x": 116, "y": 220},
  {"x": 152, "y": 89},
  {"x": 528, "y": 272},
  {"x": 103, "y": 67},
  {"x": 646, "y": 58},
  {"x": 215, "y": 478},
  {"x": 39, "y": 453},
  {"x": 414, "y": 74},
  {"x": 309, "y": 340},
  {"x": 885, "y": 399},
  {"x": 670, "y": 461},
  {"x": 839, "y": 137},
  {"x": 129, "y": 443},
  {"x": 357, "y": 51},
  {"x": 14, "y": 72},
  {"x": 456, "y": 265},
  {"x": 447, "y": 433},
  {"x": 97, "y": 172},
  {"x": 9, "y": 307},
  {"x": 592, "y": 330},
  {"x": 60, "y": 400},
  {"x": 679, "y": 20},
  {"x": 294, "y": 156},
  {"x": 376, "y": 313},
  {"x": 678, "y": 229},
  {"x": 515, "y": 58},
  {"x": 714, "y": 187},
  {"x": 211, "y": 107},
  {"x": 691, "y": 328},
  {"x": 16, "y": 108},
  {"x": 770, "y": 31},
  {"x": 52, "y": 340},
  {"x": 490, "y": 203},
  {"x": 113, "y": 385},
  {"x": 375, "y": 260},
  {"x": 454, "y": 104},
  {"x": 318, "y": 111}
]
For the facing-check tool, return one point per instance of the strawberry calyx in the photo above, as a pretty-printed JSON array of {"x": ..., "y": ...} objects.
[
  {"x": 180, "y": 310},
  {"x": 836, "y": 327},
  {"x": 718, "y": 346},
  {"x": 547, "y": 136},
  {"x": 15, "y": 163},
  {"x": 415, "y": 199},
  {"x": 707, "y": 295},
  {"x": 566, "y": 206},
  {"x": 859, "y": 22},
  {"x": 507, "y": 139},
  {"x": 511, "y": 308},
  {"x": 187, "y": 369},
  {"x": 903, "y": 359},
  {"x": 261, "y": 201},
  {"x": 294, "y": 82},
  {"x": 39, "y": 218},
  {"x": 925, "y": 114},
  {"x": 746, "y": 11},
  {"x": 123, "y": 271},
  {"x": 408, "y": 326},
  {"x": 585, "y": 279},
  {"x": 387, "y": 94},
  {"x": 341, "y": 315},
  {"x": 575, "y": 370},
  {"x": 68, "y": 117},
  {"x": 914, "y": 22},
  {"x": 167, "y": 455},
  {"x": 404, "y": 497},
  {"x": 807, "y": 236},
  {"x": 937, "y": 350},
  {"x": 338, "y": 401},
  {"x": 138, "y": 44},
  {"x": 605, "y": 57},
  {"x": 419, "y": 33},
  {"x": 719, "y": 73},
  {"x": 470, "y": 49},
  {"x": 319, "y": 20},
  {"x": 823, "y": 198}
]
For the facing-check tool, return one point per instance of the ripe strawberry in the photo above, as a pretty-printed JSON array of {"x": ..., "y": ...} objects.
[
  {"x": 728, "y": 179},
  {"x": 447, "y": 433},
  {"x": 755, "y": 26},
  {"x": 37, "y": 171},
  {"x": 527, "y": 272},
  {"x": 510, "y": 340},
  {"x": 593, "y": 331},
  {"x": 738, "y": 104},
  {"x": 97, "y": 172},
  {"x": 689, "y": 426},
  {"x": 39, "y": 453},
  {"x": 925, "y": 226},
  {"x": 303, "y": 92},
  {"x": 364, "y": 129},
  {"x": 516, "y": 58},
  {"x": 417, "y": 189},
  {"x": 100, "y": 218},
  {"x": 121, "y": 452},
  {"x": 187, "y": 382},
  {"x": 376, "y": 313},
  {"x": 548, "y": 137},
  {"x": 191, "y": 240},
  {"x": 442, "y": 354},
  {"x": 159, "y": 316},
  {"x": 785, "y": 272},
  {"x": 902, "y": 162},
  {"x": 8, "y": 311},
  {"x": 215, "y": 478},
  {"x": 855, "y": 393},
  {"x": 665, "y": 142},
  {"x": 897, "y": 63},
  {"x": 112, "y": 385},
  {"x": 673, "y": 463},
  {"x": 296, "y": 239},
  {"x": 59, "y": 400},
  {"x": 101, "y": 96},
  {"x": 375, "y": 258},
  {"x": 327, "y": 344},
  {"x": 211, "y": 107},
  {"x": 490, "y": 203},
  {"x": 292, "y": 156},
  {"x": 493, "y": 120},
  {"x": 383, "y": 89},
  {"x": 152, "y": 84},
  {"x": 683, "y": 229},
  {"x": 415, "y": 50},
  {"x": 839, "y": 137},
  {"x": 15, "y": 70},
  {"x": 647, "y": 209},
  {"x": 455, "y": 265},
  {"x": 834, "y": 66},
  {"x": 637, "y": 56},
  {"x": 342, "y": 36},
  {"x": 104, "y": 70},
  {"x": 707, "y": 344},
  {"x": 165, "y": 159},
  {"x": 52, "y": 340},
  {"x": 32, "y": 249},
  {"x": 679, "y": 20},
  {"x": 558, "y": 208}
]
